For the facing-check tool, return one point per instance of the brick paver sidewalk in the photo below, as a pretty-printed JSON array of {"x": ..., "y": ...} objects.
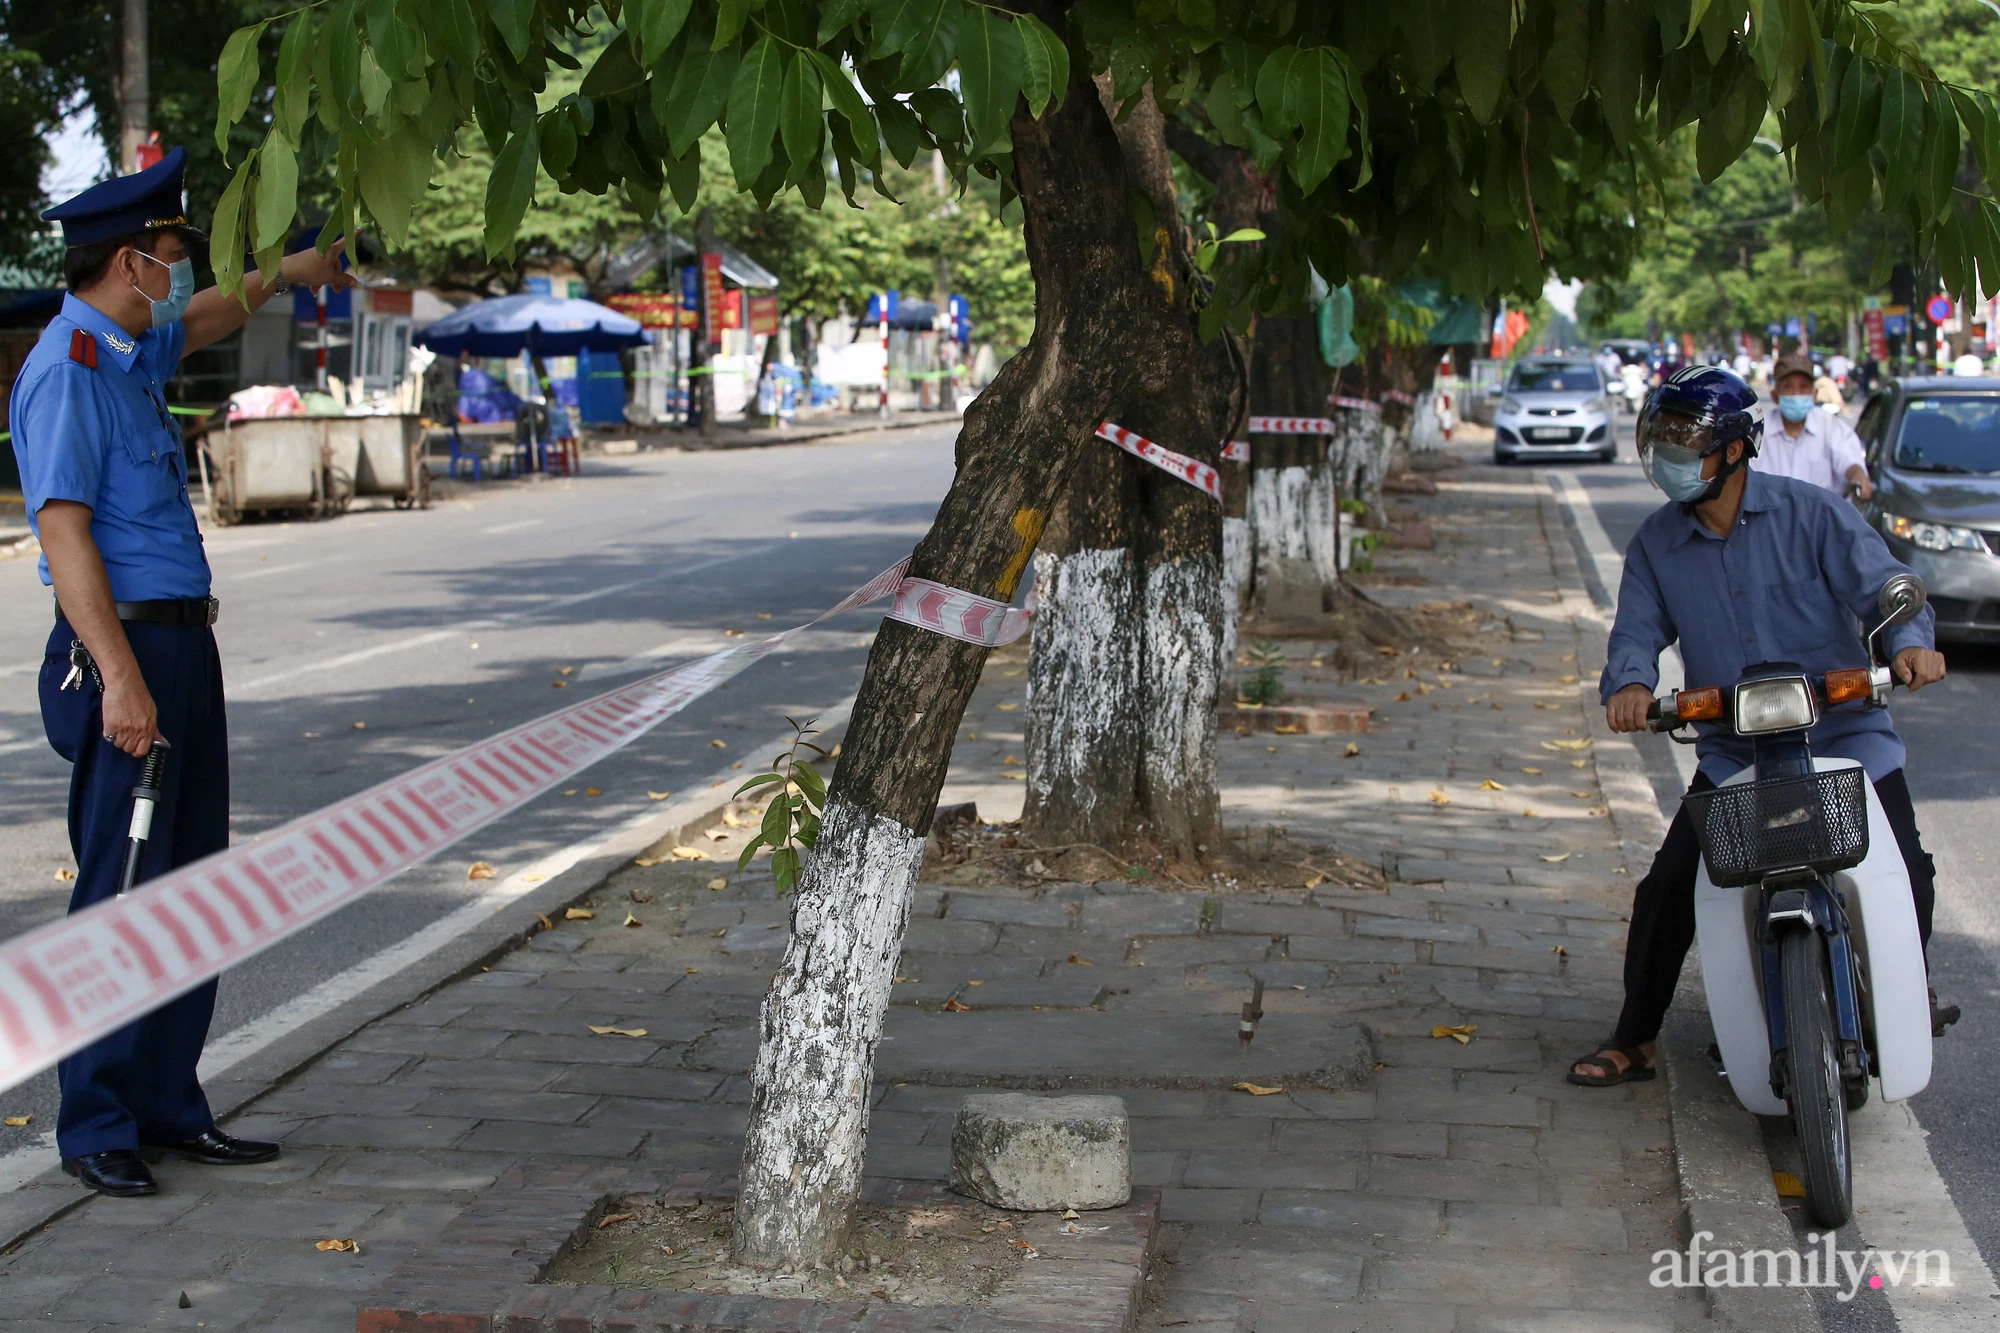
[{"x": 1402, "y": 1182}]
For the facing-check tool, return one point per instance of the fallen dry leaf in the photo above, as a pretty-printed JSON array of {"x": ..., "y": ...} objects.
[
  {"x": 648, "y": 860},
  {"x": 1583, "y": 795},
  {"x": 718, "y": 744},
  {"x": 691, "y": 971},
  {"x": 1403, "y": 698},
  {"x": 360, "y": 726},
  {"x": 1491, "y": 785},
  {"x": 1015, "y": 777},
  {"x": 715, "y": 834},
  {"x": 952, "y": 1006},
  {"x": 592, "y": 791},
  {"x": 1353, "y": 748},
  {"x": 341, "y": 1246},
  {"x": 658, "y": 795},
  {"x": 1438, "y": 797},
  {"x": 1462, "y": 1034},
  {"x": 16, "y": 1121},
  {"x": 1529, "y": 813},
  {"x": 1579, "y": 763},
  {"x": 546, "y": 923},
  {"x": 64, "y": 875},
  {"x": 690, "y": 854},
  {"x": 975, "y": 983},
  {"x": 579, "y": 914},
  {"x": 1567, "y": 680},
  {"x": 1080, "y": 960},
  {"x": 1580, "y": 744},
  {"x": 763, "y": 615},
  {"x": 1068, "y": 1215},
  {"x": 905, "y": 981},
  {"x": 1286, "y": 730},
  {"x": 558, "y": 684},
  {"x": 1536, "y": 772},
  {"x": 718, "y": 884},
  {"x": 1256, "y": 1089},
  {"x": 612, "y": 1219},
  {"x": 633, "y": 921},
  {"x": 1006, "y": 708},
  {"x": 479, "y": 870},
  {"x": 1789, "y": 1185},
  {"x": 1563, "y": 857},
  {"x": 570, "y": 791},
  {"x": 1558, "y": 951},
  {"x": 618, "y": 1032}
]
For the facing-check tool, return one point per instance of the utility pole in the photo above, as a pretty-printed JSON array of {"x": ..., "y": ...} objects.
[
  {"x": 700, "y": 366},
  {"x": 132, "y": 91}
]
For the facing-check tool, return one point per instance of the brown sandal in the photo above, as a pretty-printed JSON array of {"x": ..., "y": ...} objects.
[{"x": 1636, "y": 1069}]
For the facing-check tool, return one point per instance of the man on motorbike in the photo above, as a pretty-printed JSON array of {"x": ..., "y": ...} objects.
[
  {"x": 1739, "y": 567},
  {"x": 1814, "y": 445}
]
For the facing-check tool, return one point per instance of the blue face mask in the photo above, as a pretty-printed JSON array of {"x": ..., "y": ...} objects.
[
  {"x": 180, "y": 290},
  {"x": 1794, "y": 406},
  {"x": 1681, "y": 481}
]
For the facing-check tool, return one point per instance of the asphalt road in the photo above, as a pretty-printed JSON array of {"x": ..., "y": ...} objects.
[
  {"x": 438, "y": 628},
  {"x": 1950, "y": 731}
]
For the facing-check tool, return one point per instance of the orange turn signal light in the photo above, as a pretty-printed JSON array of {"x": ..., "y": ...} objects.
[
  {"x": 1699, "y": 705},
  {"x": 1847, "y": 685}
]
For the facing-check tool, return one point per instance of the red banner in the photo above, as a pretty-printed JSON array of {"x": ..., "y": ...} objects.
[
  {"x": 653, "y": 310},
  {"x": 1878, "y": 337},
  {"x": 763, "y": 312},
  {"x": 712, "y": 297}
]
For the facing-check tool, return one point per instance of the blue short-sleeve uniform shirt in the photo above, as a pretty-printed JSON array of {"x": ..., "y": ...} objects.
[{"x": 103, "y": 437}]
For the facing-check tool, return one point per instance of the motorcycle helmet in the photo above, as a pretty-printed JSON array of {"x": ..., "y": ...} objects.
[{"x": 1694, "y": 413}]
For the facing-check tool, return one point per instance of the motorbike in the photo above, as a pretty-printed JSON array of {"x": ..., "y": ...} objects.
[{"x": 1810, "y": 953}]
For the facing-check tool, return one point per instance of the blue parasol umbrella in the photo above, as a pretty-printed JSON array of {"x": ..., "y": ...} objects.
[{"x": 544, "y": 325}]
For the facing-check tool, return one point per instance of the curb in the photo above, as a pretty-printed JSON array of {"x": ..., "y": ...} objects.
[
  {"x": 1720, "y": 1162},
  {"x": 698, "y": 444},
  {"x": 47, "y": 1196}
]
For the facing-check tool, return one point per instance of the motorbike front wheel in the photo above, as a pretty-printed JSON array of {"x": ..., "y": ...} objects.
[{"x": 1812, "y": 1079}]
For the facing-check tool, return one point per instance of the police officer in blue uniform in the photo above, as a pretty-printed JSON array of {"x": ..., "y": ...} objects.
[{"x": 132, "y": 660}]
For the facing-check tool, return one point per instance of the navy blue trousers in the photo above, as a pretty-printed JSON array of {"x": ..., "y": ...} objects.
[{"x": 138, "y": 1084}]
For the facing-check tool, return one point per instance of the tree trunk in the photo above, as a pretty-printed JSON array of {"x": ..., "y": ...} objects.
[
  {"x": 1094, "y": 322},
  {"x": 1126, "y": 758},
  {"x": 701, "y": 365},
  {"x": 134, "y": 95},
  {"x": 1291, "y": 510}
]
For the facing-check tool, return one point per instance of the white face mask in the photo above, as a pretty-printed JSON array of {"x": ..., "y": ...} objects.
[{"x": 180, "y": 289}]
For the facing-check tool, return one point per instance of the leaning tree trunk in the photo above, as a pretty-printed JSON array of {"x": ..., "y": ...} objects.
[
  {"x": 1127, "y": 759},
  {"x": 1094, "y": 321}
]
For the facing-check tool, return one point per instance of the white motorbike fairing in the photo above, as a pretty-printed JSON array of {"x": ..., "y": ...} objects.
[{"x": 1882, "y": 921}]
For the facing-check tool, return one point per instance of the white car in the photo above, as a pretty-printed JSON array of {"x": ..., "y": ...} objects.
[{"x": 1554, "y": 408}]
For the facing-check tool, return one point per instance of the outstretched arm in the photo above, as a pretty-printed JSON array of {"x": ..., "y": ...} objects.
[{"x": 213, "y": 315}]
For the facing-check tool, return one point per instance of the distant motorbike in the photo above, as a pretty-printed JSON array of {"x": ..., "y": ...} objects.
[
  {"x": 1632, "y": 379},
  {"x": 1809, "y": 947}
]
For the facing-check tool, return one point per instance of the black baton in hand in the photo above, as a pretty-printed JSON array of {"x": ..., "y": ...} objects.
[{"x": 144, "y": 797}]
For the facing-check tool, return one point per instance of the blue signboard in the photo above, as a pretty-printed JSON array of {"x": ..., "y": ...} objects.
[{"x": 537, "y": 286}]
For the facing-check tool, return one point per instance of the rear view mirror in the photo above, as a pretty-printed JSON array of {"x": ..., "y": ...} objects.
[{"x": 1903, "y": 596}]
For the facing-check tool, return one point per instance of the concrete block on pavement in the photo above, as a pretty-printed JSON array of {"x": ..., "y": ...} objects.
[{"x": 1042, "y": 1154}]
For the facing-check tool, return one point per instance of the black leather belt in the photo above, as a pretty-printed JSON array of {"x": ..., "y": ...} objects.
[{"x": 171, "y": 611}]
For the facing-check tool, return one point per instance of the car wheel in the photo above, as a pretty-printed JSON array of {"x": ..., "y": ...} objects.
[
  {"x": 1500, "y": 459},
  {"x": 1609, "y": 455}
]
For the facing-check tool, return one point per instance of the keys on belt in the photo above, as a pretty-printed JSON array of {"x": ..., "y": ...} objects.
[{"x": 79, "y": 662}]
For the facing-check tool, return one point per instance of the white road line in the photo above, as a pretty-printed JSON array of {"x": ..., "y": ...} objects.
[
  {"x": 511, "y": 527},
  {"x": 224, "y": 1053},
  {"x": 469, "y": 626},
  {"x": 1901, "y": 1202}
]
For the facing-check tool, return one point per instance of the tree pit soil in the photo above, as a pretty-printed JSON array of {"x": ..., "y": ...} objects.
[{"x": 954, "y": 1252}]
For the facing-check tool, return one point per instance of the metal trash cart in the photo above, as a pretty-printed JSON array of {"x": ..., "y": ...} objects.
[{"x": 311, "y": 466}]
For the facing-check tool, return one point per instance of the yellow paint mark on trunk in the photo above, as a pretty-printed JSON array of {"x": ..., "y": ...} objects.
[{"x": 1028, "y": 523}]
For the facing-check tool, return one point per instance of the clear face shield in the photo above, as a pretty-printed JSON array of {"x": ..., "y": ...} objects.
[{"x": 1678, "y": 439}]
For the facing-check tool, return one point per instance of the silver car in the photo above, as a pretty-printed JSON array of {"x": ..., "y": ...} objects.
[
  {"x": 1934, "y": 453},
  {"x": 1555, "y": 407}
]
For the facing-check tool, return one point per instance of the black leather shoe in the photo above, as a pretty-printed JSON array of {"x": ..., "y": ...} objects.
[
  {"x": 213, "y": 1148},
  {"x": 121, "y": 1173}
]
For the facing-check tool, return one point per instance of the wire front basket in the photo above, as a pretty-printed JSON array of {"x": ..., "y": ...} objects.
[{"x": 1751, "y": 829}]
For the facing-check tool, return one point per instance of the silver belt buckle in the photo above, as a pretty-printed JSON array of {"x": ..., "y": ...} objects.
[{"x": 214, "y": 610}]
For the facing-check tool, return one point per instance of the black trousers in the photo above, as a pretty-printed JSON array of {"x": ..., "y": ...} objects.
[{"x": 1663, "y": 908}]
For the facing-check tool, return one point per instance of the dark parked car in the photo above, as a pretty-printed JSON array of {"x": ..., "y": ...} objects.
[{"x": 1934, "y": 453}]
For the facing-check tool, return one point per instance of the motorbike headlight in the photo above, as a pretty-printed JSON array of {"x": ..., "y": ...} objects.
[
  {"x": 1510, "y": 404},
  {"x": 1932, "y": 536},
  {"x": 1783, "y": 704}
]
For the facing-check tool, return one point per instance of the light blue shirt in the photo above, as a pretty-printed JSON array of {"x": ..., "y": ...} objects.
[
  {"x": 104, "y": 438},
  {"x": 1794, "y": 582}
]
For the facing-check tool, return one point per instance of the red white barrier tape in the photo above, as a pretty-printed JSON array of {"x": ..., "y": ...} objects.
[
  {"x": 1357, "y": 404},
  {"x": 1291, "y": 426},
  {"x": 1236, "y": 451},
  {"x": 960, "y": 615},
  {"x": 1398, "y": 396},
  {"x": 76, "y": 980},
  {"x": 1195, "y": 473}
]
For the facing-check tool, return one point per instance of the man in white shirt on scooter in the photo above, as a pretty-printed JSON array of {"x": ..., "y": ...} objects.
[{"x": 1815, "y": 445}]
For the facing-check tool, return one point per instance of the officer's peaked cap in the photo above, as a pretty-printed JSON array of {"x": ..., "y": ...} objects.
[{"x": 149, "y": 200}]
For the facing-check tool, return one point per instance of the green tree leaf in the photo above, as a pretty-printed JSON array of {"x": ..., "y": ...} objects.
[
  {"x": 453, "y": 30},
  {"x": 799, "y": 123},
  {"x": 1044, "y": 64},
  {"x": 900, "y": 129},
  {"x": 615, "y": 70},
  {"x": 684, "y": 177},
  {"x": 1617, "y": 67},
  {"x": 929, "y": 53},
  {"x": 846, "y": 99},
  {"x": 293, "y": 94},
  {"x": 990, "y": 71},
  {"x": 510, "y": 190},
  {"x": 835, "y": 16},
  {"x": 396, "y": 48},
  {"x": 1565, "y": 64},
  {"x": 654, "y": 24},
  {"x": 1275, "y": 89},
  {"x": 1858, "y": 114},
  {"x": 1938, "y": 171},
  {"x": 696, "y": 96},
  {"x": 1480, "y": 40},
  {"x": 1900, "y": 134},
  {"x": 752, "y": 115},
  {"x": 225, "y": 237},
  {"x": 729, "y": 16},
  {"x": 1318, "y": 96},
  {"x": 514, "y": 19},
  {"x": 236, "y": 82},
  {"x": 277, "y": 191}
]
